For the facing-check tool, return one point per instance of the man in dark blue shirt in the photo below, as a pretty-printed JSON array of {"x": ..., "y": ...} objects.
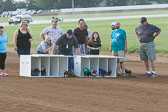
[{"x": 66, "y": 43}]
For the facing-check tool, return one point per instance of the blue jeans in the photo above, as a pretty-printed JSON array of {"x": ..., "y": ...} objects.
[
  {"x": 82, "y": 48},
  {"x": 70, "y": 60},
  {"x": 23, "y": 51},
  {"x": 39, "y": 52}
]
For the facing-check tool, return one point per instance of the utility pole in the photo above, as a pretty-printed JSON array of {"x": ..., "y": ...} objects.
[{"x": 73, "y": 6}]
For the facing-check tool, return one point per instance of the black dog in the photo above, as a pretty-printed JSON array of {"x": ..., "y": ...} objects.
[
  {"x": 43, "y": 71},
  {"x": 35, "y": 72},
  {"x": 69, "y": 73}
]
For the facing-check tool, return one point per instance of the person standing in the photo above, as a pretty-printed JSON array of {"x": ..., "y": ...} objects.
[
  {"x": 66, "y": 43},
  {"x": 113, "y": 28},
  {"x": 146, "y": 34},
  {"x": 88, "y": 30},
  {"x": 119, "y": 47},
  {"x": 127, "y": 71},
  {"x": 113, "y": 25},
  {"x": 89, "y": 36},
  {"x": 94, "y": 44},
  {"x": 3, "y": 50},
  {"x": 54, "y": 32},
  {"x": 82, "y": 36},
  {"x": 22, "y": 39}
]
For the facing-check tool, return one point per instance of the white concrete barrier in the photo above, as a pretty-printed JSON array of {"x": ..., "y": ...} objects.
[{"x": 114, "y": 8}]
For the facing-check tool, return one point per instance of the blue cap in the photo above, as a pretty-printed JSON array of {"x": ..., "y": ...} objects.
[
  {"x": 69, "y": 32},
  {"x": 143, "y": 19}
]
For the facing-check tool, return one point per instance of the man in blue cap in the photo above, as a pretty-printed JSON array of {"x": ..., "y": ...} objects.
[{"x": 66, "y": 43}]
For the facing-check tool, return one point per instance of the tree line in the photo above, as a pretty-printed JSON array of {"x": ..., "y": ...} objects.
[{"x": 9, "y": 5}]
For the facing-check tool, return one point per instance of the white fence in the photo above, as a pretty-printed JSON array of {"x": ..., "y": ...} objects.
[{"x": 113, "y": 8}]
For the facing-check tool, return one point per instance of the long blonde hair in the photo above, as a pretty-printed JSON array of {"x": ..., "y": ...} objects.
[
  {"x": 47, "y": 37},
  {"x": 24, "y": 22}
]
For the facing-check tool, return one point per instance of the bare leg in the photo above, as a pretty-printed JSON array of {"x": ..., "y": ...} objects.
[
  {"x": 153, "y": 65},
  {"x": 123, "y": 67},
  {"x": 1, "y": 70},
  {"x": 146, "y": 65},
  {"x": 118, "y": 66}
]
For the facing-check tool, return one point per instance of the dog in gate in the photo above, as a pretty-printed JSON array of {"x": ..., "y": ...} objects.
[
  {"x": 69, "y": 73},
  {"x": 35, "y": 72},
  {"x": 87, "y": 72},
  {"x": 43, "y": 71},
  {"x": 103, "y": 72},
  {"x": 93, "y": 73}
]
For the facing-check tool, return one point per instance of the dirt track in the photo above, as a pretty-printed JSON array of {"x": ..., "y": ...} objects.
[{"x": 20, "y": 94}]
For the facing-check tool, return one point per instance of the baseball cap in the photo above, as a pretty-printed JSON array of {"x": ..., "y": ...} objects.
[
  {"x": 55, "y": 19},
  {"x": 113, "y": 23},
  {"x": 143, "y": 19},
  {"x": 69, "y": 32}
]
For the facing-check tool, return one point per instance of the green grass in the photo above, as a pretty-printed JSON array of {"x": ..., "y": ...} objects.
[
  {"x": 3, "y": 20},
  {"x": 103, "y": 27}
]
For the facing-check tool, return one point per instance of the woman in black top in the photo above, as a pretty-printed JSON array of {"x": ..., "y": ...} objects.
[
  {"x": 22, "y": 39},
  {"x": 94, "y": 44}
]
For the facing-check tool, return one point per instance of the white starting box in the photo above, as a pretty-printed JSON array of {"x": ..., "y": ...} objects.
[
  {"x": 106, "y": 63},
  {"x": 42, "y": 65}
]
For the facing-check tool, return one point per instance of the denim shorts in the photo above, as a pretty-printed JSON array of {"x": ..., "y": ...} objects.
[{"x": 23, "y": 51}]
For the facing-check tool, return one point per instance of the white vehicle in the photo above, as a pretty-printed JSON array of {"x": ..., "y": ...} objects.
[{"x": 18, "y": 18}]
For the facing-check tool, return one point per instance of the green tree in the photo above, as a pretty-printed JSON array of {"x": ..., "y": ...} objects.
[
  {"x": 1, "y": 3},
  {"x": 58, "y": 4},
  {"x": 8, "y": 6},
  {"x": 160, "y": 1},
  {"x": 117, "y": 2},
  {"x": 46, "y": 4},
  {"x": 87, "y": 3},
  {"x": 65, "y": 4},
  {"x": 31, "y": 4},
  {"x": 21, "y": 5},
  {"x": 141, "y": 2}
]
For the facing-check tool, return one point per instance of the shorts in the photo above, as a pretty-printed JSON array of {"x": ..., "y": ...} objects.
[
  {"x": 147, "y": 51},
  {"x": 119, "y": 54}
]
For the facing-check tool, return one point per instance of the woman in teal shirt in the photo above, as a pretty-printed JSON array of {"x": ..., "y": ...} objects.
[{"x": 3, "y": 42}]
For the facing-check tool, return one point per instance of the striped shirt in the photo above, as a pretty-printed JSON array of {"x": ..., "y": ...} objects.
[{"x": 55, "y": 33}]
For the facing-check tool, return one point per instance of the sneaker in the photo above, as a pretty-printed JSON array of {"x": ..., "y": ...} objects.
[
  {"x": 4, "y": 74},
  {"x": 128, "y": 71},
  {"x": 153, "y": 75},
  {"x": 146, "y": 75}
]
